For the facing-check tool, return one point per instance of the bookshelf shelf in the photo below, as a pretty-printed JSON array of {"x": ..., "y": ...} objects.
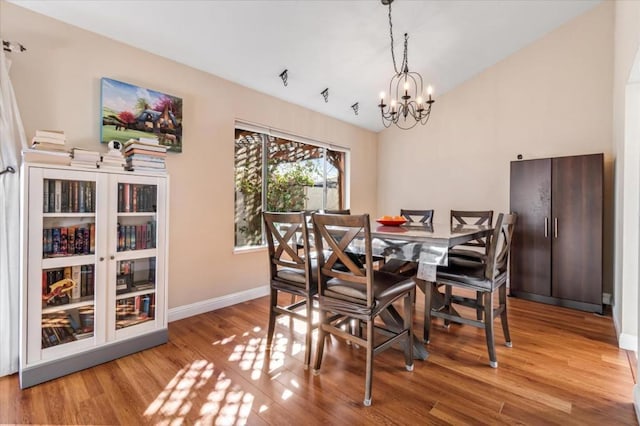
[{"x": 93, "y": 275}]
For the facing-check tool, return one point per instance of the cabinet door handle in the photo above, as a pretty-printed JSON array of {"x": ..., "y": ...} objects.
[
  {"x": 101, "y": 259},
  {"x": 546, "y": 227},
  {"x": 112, "y": 257},
  {"x": 555, "y": 227}
]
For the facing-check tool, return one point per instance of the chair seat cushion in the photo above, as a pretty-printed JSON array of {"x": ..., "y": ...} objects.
[
  {"x": 469, "y": 276},
  {"x": 386, "y": 287},
  {"x": 295, "y": 277},
  {"x": 468, "y": 253}
]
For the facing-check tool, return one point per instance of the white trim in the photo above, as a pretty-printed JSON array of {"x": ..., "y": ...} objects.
[
  {"x": 636, "y": 401},
  {"x": 250, "y": 249},
  {"x": 203, "y": 306},
  {"x": 628, "y": 342},
  {"x": 277, "y": 133}
]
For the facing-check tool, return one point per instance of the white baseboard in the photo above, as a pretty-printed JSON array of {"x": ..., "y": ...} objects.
[
  {"x": 636, "y": 401},
  {"x": 203, "y": 306},
  {"x": 628, "y": 342}
]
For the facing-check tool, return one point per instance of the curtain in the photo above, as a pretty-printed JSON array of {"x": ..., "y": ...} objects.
[{"x": 12, "y": 140}]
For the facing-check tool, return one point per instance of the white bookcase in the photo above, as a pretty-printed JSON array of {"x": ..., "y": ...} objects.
[{"x": 94, "y": 268}]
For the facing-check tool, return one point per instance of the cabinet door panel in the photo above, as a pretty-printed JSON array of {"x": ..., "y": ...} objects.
[
  {"x": 530, "y": 198},
  {"x": 577, "y": 245}
]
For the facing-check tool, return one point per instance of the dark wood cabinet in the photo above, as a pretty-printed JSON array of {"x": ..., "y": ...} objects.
[{"x": 556, "y": 252}]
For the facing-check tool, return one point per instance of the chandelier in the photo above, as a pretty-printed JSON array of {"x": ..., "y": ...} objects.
[{"x": 407, "y": 106}]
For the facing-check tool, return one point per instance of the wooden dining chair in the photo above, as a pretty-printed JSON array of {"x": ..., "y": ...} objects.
[
  {"x": 475, "y": 249},
  {"x": 357, "y": 293},
  {"x": 485, "y": 279},
  {"x": 291, "y": 271},
  {"x": 398, "y": 266},
  {"x": 421, "y": 216}
]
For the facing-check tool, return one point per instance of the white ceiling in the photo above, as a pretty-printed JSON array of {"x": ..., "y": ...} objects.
[{"x": 342, "y": 45}]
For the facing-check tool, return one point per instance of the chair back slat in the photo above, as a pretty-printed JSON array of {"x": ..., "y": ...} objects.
[
  {"x": 499, "y": 246},
  {"x": 420, "y": 216},
  {"x": 284, "y": 232},
  {"x": 472, "y": 217},
  {"x": 338, "y": 231}
]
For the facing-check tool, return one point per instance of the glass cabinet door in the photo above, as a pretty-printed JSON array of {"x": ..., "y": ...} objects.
[
  {"x": 135, "y": 245},
  {"x": 63, "y": 242}
]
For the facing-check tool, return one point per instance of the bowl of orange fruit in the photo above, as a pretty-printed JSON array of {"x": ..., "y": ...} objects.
[{"x": 391, "y": 220}]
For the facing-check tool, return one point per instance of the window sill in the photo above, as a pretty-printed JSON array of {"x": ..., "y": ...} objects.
[{"x": 249, "y": 249}]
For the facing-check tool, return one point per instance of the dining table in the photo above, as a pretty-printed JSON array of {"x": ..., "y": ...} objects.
[{"x": 428, "y": 246}]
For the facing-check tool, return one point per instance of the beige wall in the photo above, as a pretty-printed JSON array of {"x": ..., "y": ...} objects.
[
  {"x": 57, "y": 84},
  {"x": 552, "y": 98}
]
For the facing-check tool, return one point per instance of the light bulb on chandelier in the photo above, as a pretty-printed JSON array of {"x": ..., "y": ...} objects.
[{"x": 407, "y": 106}]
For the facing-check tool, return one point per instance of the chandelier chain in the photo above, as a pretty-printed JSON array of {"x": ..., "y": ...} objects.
[{"x": 393, "y": 56}]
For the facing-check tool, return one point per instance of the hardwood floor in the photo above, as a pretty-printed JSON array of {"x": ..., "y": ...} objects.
[{"x": 564, "y": 368}]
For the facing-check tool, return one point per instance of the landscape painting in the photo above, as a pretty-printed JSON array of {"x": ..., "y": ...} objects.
[{"x": 130, "y": 111}]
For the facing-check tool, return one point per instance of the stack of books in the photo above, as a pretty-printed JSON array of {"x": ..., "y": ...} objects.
[
  {"x": 85, "y": 158},
  {"x": 47, "y": 146},
  {"x": 49, "y": 140},
  {"x": 113, "y": 160},
  {"x": 145, "y": 155}
]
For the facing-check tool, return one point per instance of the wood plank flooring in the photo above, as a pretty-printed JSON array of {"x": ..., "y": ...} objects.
[{"x": 564, "y": 368}]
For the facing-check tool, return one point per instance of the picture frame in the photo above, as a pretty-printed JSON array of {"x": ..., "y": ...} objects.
[{"x": 132, "y": 112}]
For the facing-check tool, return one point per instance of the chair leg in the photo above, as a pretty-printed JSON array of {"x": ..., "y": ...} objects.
[
  {"x": 429, "y": 288},
  {"x": 408, "y": 325},
  {"x": 369, "y": 369},
  {"x": 307, "y": 343},
  {"x": 488, "y": 328},
  {"x": 447, "y": 304},
  {"x": 320, "y": 343},
  {"x": 502, "y": 299},
  {"x": 478, "y": 306},
  {"x": 272, "y": 318}
]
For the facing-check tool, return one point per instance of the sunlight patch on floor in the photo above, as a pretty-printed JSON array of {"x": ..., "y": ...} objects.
[{"x": 225, "y": 404}]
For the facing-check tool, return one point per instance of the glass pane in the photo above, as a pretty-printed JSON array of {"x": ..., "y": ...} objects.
[
  {"x": 248, "y": 188},
  {"x": 135, "y": 310},
  {"x": 70, "y": 284},
  {"x": 135, "y": 275},
  {"x": 294, "y": 176},
  {"x": 335, "y": 180},
  {"x": 136, "y": 198},
  {"x": 66, "y": 326},
  {"x": 69, "y": 196},
  {"x": 138, "y": 236}
]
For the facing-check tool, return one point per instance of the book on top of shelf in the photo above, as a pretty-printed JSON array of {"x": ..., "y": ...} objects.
[
  {"x": 151, "y": 164},
  {"x": 56, "y": 134},
  {"x": 134, "y": 151},
  {"x": 147, "y": 170},
  {"x": 49, "y": 157},
  {"x": 44, "y": 139},
  {"x": 154, "y": 141},
  {"x": 45, "y": 146},
  {"x": 145, "y": 157}
]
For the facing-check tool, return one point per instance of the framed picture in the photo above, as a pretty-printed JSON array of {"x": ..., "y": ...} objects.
[{"x": 130, "y": 111}]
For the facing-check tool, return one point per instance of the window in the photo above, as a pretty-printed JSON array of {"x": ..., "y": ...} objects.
[{"x": 277, "y": 174}]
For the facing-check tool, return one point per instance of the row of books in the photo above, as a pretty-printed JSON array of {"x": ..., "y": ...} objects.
[
  {"x": 68, "y": 196},
  {"x": 145, "y": 155},
  {"x": 81, "y": 276},
  {"x": 136, "y": 198},
  {"x": 137, "y": 237},
  {"x": 67, "y": 326},
  {"x": 134, "y": 310},
  {"x": 69, "y": 241}
]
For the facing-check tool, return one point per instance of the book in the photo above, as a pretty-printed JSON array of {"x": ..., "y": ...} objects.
[
  {"x": 149, "y": 140},
  {"x": 148, "y": 164},
  {"x": 47, "y": 146},
  {"x": 54, "y": 134},
  {"x": 45, "y": 196},
  {"x": 43, "y": 156},
  {"x": 154, "y": 154},
  {"x": 75, "y": 276},
  {"x": 145, "y": 147},
  {"x": 144, "y": 157},
  {"x": 57, "y": 207},
  {"x": 71, "y": 240}
]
